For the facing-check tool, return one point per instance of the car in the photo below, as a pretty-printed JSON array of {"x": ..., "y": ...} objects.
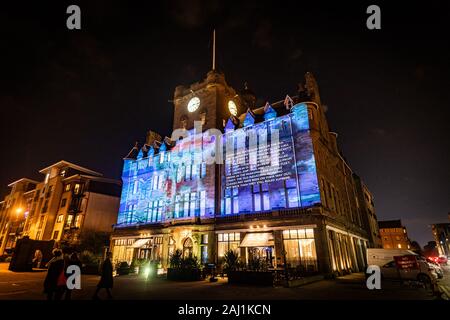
[
  {"x": 442, "y": 260},
  {"x": 425, "y": 274},
  {"x": 123, "y": 268},
  {"x": 437, "y": 268}
]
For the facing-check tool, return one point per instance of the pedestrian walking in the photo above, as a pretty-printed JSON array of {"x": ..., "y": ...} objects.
[
  {"x": 106, "y": 280},
  {"x": 54, "y": 282}
]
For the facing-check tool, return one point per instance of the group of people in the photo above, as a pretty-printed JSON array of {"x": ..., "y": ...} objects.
[{"x": 55, "y": 283}]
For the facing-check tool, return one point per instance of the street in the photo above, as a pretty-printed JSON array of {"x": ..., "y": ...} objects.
[{"x": 28, "y": 286}]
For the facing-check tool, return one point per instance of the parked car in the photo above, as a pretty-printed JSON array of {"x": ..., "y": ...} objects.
[
  {"x": 123, "y": 268},
  {"x": 442, "y": 260},
  {"x": 384, "y": 258},
  {"x": 437, "y": 268},
  {"x": 426, "y": 273}
]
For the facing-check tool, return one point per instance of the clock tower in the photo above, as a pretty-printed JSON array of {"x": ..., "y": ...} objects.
[{"x": 210, "y": 101}]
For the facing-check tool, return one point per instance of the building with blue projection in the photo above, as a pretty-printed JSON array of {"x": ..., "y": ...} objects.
[{"x": 267, "y": 182}]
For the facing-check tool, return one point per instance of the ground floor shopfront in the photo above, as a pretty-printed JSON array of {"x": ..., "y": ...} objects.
[{"x": 311, "y": 245}]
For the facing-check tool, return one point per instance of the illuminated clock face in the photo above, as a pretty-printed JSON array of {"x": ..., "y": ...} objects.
[
  {"x": 193, "y": 104},
  {"x": 232, "y": 107}
]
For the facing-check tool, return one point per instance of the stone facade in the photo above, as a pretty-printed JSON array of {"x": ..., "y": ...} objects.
[{"x": 330, "y": 236}]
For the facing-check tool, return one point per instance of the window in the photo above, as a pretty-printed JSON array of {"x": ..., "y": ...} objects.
[
  {"x": 55, "y": 235},
  {"x": 399, "y": 246},
  {"x": 63, "y": 173},
  {"x": 41, "y": 222},
  {"x": 291, "y": 193},
  {"x": 78, "y": 221},
  {"x": 300, "y": 248},
  {"x": 135, "y": 186},
  {"x": 202, "y": 203},
  {"x": 202, "y": 170},
  {"x": 69, "y": 220},
  {"x": 49, "y": 192},
  {"x": 256, "y": 197},
  {"x": 188, "y": 173},
  {"x": 192, "y": 205},
  {"x": 45, "y": 207},
  {"x": 235, "y": 200},
  {"x": 228, "y": 241},
  {"x": 63, "y": 202},
  {"x": 186, "y": 204},
  {"x": 67, "y": 188},
  {"x": 76, "y": 188},
  {"x": 204, "y": 248},
  {"x": 177, "y": 206},
  {"x": 60, "y": 218}
]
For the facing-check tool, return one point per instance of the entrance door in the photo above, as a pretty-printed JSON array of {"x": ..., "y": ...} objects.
[{"x": 264, "y": 254}]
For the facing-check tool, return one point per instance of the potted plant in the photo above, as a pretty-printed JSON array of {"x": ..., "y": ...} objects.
[
  {"x": 183, "y": 268},
  {"x": 255, "y": 273}
]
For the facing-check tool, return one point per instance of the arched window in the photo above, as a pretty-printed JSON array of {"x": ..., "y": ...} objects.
[{"x": 187, "y": 247}]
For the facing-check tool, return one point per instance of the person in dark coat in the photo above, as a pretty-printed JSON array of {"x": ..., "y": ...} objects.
[
  {"x": 55, "y": 269},
  {"x": 73, "y": 260},
  {"x": 106, "y": 280}
]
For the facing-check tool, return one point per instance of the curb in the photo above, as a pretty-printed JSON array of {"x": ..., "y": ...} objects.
[{"x": 445, "y": 291}]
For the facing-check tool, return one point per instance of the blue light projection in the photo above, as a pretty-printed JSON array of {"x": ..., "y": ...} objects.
[
  {"x": 169, "y": 184},
  {"x": 282, "y": 174},
  {"x": 179, "y": 183}
]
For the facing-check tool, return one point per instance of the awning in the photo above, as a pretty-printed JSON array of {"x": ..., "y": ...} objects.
[
  {"x": 139, "y": 243},
  {"x": 258, "y": 239}
]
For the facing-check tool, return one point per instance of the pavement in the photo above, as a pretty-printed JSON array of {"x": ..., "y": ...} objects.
[
  {"x": 444, "y": 283},
  {"x": 28, "y": 286}
]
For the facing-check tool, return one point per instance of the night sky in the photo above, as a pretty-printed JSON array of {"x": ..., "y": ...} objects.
[{"x": 86, "y": 96}]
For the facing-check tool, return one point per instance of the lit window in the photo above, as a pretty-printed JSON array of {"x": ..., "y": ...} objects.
[
  {"x": 76, "y": 188},
  {"x": 203, "y": 170},
  {"x": 228, "y": 241},
  {"x": 67, "y": 188},
  {"x": 399, "y": 246},
  {"x": 300, "y": 248},
  {"x": 60, "y": 218},
  {"x": 177, "y": 206},
  {"x": 186, "y": 205},
  {"x": 69, "y": 220},
  {"x": 63, "y": 173},
  {"x": 202, "y": 203},
  {"x": 78, "y": 221},
  {"x": 188, "y": 172}
]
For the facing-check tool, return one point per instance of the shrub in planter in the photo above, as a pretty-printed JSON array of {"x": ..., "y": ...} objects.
[
  {"x": 183, "y": 268},
  {"x": 90, "y": 262},
  {"x": 231, "y": 261}
]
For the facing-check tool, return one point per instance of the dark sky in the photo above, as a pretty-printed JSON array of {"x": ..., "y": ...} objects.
[{"x": 86, "y": 96}]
